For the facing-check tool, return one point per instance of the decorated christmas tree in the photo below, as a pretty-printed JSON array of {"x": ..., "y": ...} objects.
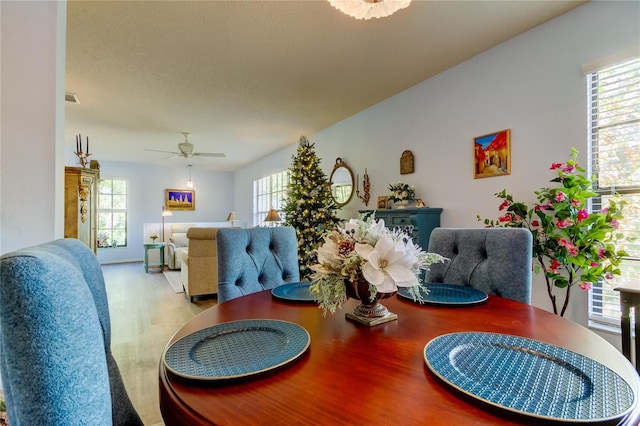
[{"x": 308, "y": 207}]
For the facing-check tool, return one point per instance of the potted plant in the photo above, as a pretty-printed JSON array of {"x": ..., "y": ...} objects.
[
  {"x": 401, "y": 194},
  {"x": 363, "y": 252},
  {"x": 570, "y": 245}
]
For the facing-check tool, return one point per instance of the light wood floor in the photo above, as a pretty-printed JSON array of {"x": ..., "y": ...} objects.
[{"x": 145, "y": 313}]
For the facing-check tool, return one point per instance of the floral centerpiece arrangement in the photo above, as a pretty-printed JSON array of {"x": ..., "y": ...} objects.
[
  {"x": 364, "y": 249},
  {"x": 402, "y": 192},
  {"x": 153, "y": 237},
  {"x": 571, "y": 245}
]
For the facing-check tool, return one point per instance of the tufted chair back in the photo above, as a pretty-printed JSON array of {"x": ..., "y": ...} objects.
[
  {"x": 255, "y": 259},
  {"x": 495, "y": 260},
  {"x": 55, "y": 349}
]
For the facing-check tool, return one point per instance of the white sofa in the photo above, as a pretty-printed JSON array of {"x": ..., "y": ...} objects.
[{"x": 178, "y": 245}]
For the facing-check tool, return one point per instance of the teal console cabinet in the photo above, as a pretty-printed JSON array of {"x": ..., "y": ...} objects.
[{"x": 423, "y": 219}]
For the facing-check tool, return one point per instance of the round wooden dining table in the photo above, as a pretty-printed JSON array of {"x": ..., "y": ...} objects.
[{"x": 352, "y": 374}]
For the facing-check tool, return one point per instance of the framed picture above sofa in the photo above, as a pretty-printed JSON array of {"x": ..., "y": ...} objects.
[{"x": 180, "y": 199}]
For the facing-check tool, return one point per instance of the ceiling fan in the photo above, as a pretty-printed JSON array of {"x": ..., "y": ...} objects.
[{"x": 186, "y": 150}]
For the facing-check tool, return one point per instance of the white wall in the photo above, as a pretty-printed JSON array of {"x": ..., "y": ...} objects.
[
  {"x": 33, "y": 46},
  {"x": 532, "y": 84},
  {"x": 146, "y": 196}
]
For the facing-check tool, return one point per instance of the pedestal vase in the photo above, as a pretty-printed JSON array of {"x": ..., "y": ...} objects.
[{"x": 370, "y": 311}]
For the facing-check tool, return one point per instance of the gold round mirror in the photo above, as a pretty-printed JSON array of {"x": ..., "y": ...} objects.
[{"x": 341, "y": 183}]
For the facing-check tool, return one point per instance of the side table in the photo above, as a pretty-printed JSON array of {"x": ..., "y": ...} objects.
[
  {"x": 630, "y": 298},
  {"x": 152, "y": 246}
]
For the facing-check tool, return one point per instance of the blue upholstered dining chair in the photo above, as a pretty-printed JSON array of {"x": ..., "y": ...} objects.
[
  {"x": 255, "y": 259},
  {"x": 497, "y": 261},
  {"x": 55, "y": 339}
]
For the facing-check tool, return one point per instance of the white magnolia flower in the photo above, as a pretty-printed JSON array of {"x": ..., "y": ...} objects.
[
  {"x": 386, "y": 258},
  {"x": 377, "y": 230},
  {"x": 328, "y": 254},
  {"x": 388, "y": 264}
]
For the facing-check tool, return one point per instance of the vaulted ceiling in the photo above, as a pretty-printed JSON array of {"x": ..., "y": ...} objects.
[{"x": 247, "y": 78}]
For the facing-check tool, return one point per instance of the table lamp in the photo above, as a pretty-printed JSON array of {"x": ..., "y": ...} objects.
[
  {"x": 232, "y": 218},
  {"x": 272, "y": 217}
]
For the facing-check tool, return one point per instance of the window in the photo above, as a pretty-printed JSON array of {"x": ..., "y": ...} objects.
[
  {"x": 614, "y": 149},
  {"x": 112, "y": 213},
  {"x": 268, "y": 193}
]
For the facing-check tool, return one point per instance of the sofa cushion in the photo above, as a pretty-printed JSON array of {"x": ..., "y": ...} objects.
[
  {"x": 181, "y": 254},
  {"x": 181, "y": 229},
  {"x": 180, "y": 239}
]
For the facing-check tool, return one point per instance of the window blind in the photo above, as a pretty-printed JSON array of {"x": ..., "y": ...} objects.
[
  {"x": 614, "y": 150},
  {"x": 112, "y": 212},
  {"x": 268, "y": 193}
]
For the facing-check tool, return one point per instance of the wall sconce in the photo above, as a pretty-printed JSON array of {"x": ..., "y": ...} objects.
[
  {"x": 366, "y": 186},
  {"x": 165, "y": 212},
  {"x": 232, "y": 218},
  {"x": 189, "y": 182},
  {"x": 272, "y": 217},
  {"x": 83, "y": 157}
]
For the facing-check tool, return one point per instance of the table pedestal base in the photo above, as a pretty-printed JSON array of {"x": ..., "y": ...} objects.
[{"x": 370, "y": 322}]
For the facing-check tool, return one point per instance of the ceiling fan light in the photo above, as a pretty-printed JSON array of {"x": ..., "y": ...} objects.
[
  {"x": 186, "y": 148},
  {"x": 367, "y": 9},
  {"x": 190, "y": 181}
]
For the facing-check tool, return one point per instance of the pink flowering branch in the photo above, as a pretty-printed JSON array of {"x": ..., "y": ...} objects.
[{"x": 570, "y": 245}]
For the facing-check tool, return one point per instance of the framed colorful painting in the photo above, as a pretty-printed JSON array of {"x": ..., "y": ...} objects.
[
  {"x": 492, "y": 154},
  {"x": 180, "y": 199}
]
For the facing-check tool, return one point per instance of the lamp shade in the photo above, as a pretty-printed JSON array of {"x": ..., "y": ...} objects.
[
  {"x": 231, "y": 217},
  {"x": 272, "y": 216}
]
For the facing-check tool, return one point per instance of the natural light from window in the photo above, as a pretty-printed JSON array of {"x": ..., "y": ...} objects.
[
  {"x": 614, "y": 133},
  {"x": 112, "y": 213},
  {"x": 268, "y": 193}
]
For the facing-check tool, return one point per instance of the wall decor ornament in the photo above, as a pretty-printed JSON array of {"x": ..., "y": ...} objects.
[
  {"x": 180, "y": 199},
  {"x": 83, "y": 157},
  {"x": 383, "y": 202},
  {"x": 366, "y": 187},
  {"x": 341, "y": 181},
  {"x": 492, "y": 154},
  {"x": 406, "y": 162}
]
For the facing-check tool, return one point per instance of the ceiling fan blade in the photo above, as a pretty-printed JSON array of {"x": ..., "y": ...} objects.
[
  {"x": 208, "y": 154},
  {"x": 166, "y": 152}
]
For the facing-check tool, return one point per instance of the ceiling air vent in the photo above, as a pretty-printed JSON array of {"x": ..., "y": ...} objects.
[{"x": 71, "y": 97}]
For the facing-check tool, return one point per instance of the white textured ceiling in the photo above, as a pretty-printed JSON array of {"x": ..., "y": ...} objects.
[{"x": 249, "y": 77}]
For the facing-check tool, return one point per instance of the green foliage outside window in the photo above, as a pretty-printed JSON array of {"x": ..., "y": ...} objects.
[{"x": 112, "y": 213}]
